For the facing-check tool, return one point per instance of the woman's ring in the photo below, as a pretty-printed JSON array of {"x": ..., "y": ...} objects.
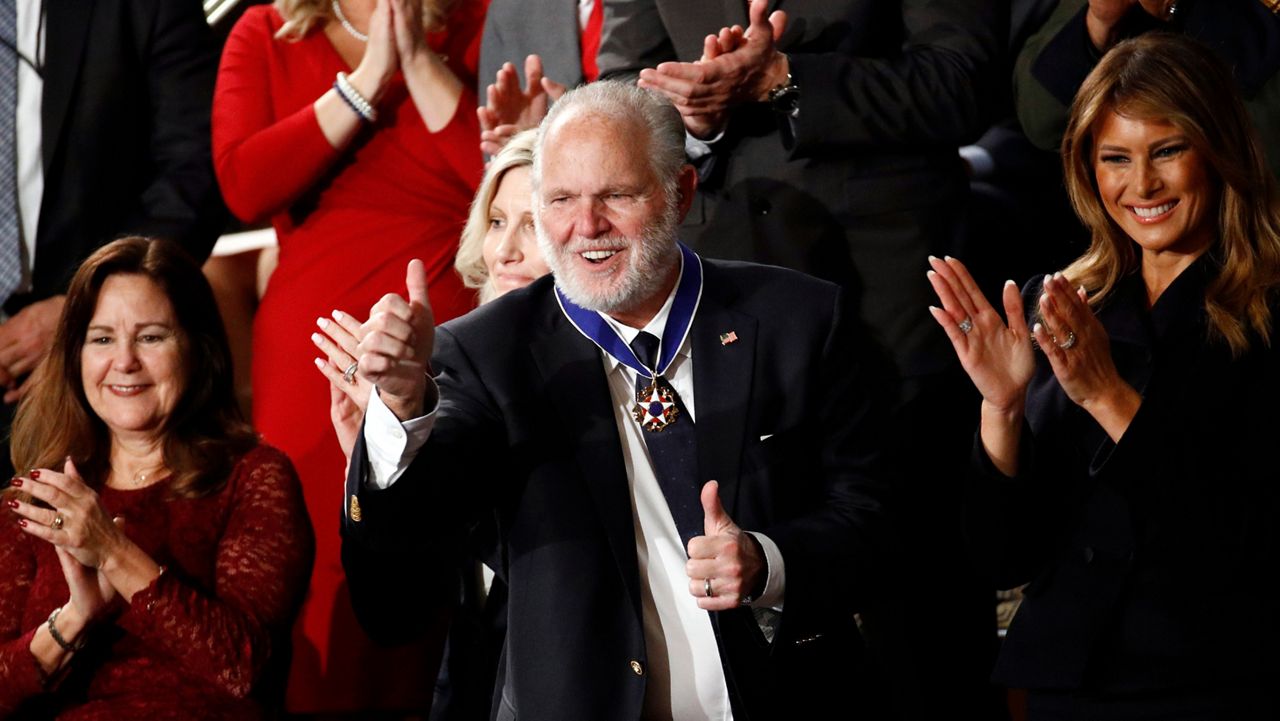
[
  {"x": 349, "y": 375},
  {"x": 966, "y": 325},
  {"x": 1069, "y": 343},
  {"x": 58, "y": 520},
  {"x": 707, "y": 588}
]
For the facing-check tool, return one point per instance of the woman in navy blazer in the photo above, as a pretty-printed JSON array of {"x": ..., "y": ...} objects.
[{"x": 1123, "y": 470}]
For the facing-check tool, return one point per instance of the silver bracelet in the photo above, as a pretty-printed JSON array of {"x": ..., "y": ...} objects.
[
  {"x": 57, "y": 637},
  {"x": 354, "y": 99}
]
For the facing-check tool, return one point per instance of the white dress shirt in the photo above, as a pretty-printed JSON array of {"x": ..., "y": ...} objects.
[
  {"x": 685, "y": 676},
  {"x": 31, "y": 43}
]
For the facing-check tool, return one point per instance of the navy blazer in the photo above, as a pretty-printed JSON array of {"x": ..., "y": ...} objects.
[{"x": 525, "y": 426}]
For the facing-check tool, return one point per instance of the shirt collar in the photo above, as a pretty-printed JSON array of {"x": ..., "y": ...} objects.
[{"x": 654, "y": 327}]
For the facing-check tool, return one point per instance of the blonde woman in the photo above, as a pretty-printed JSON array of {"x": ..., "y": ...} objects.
[
  {"x": 350, "y": 125},
  {"x": 1125, "y": 470}
]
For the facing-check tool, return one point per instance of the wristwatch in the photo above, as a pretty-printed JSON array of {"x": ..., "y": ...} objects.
[{"x": 785, "y": 98}]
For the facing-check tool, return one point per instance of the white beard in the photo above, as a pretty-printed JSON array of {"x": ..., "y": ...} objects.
[{"x": 652, "y": 254}]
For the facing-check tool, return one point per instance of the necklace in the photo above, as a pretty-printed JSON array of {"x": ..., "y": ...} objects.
[
  {"x": 346, "y": 24},
  {"x": 140, "y": 478}
]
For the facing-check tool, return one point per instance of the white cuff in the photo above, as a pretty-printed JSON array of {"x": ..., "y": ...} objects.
[
  {"x": 393, "y": 445},
  {"x": 981, "y": 164},
  {"x": 696, "y": 148},
  {"x": 775, "y": 584}
]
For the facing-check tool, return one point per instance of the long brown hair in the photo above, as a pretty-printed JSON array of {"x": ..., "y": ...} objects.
[
  {"x": 204, "y": 435},
  {"x": 1176, "y": 79}
]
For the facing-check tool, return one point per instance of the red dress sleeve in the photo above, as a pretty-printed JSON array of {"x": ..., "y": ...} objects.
[
  {"x": 20, "y": 673},
  {"x": 263, "y": 163},
  {"x": 263, "y": 563}
]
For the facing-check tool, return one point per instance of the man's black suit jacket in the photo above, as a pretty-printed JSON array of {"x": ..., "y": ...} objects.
[
  {"x": 128, "y": 87},
  {"x": 525, "y": 426}
]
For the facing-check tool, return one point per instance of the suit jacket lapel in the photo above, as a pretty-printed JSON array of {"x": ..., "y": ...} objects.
[
  {"x": 573, "y": 376},
  {"x": 65, "y": 34},
  {"x": 722, "y": 386}
]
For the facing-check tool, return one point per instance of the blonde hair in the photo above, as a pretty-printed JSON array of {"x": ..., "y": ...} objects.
[
  {"x": 300, "y": 16},
  {"x": 518, "y": 153},
  {"x": 1173, "y": 78}
]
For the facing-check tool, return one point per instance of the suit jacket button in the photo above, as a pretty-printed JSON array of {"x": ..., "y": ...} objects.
[
  {"x": 1088, "y": 554},
  {"x": 637, "y": 668}
]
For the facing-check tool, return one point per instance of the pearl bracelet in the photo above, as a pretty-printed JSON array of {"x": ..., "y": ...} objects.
[{"x": 354, "y": 99}]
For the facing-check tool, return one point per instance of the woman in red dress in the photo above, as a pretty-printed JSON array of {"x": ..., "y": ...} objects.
[
  {"x": 354, "y": 132},
  {"x": 156, "y": 555}
]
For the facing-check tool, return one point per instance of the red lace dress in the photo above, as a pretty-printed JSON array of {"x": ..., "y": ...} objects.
[{"x": 193, "y": 644}]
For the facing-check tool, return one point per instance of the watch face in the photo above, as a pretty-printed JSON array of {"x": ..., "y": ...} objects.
[{"x": 785, "y": 100}]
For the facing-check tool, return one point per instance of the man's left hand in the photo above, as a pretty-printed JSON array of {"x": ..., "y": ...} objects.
[
  {"x": 704, "y": 91},
  {"x": 726, "y": 559},
  {"x": 24, "y": 340}
]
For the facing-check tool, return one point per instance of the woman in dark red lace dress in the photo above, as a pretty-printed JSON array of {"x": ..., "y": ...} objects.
[{"x": 156, "y": 555}]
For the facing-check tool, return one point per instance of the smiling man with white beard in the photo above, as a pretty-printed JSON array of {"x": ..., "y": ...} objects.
[{"x": 681, "y": 460}]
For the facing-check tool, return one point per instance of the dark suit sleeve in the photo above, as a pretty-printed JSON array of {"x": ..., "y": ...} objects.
[
  {"x": 936, "y": 91},
  {"x": 832, "y": 551},
  {"x": 404, "y": 551},
  {"x": 181, "y": 201},
  {"x": 1055, "y": 61},
  {"x": 633, "y": 38}
]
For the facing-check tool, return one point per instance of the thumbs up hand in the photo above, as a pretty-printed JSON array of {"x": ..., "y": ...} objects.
[
  {"x": 395, "y": 351},
  {"x": 726, "y": 565}
]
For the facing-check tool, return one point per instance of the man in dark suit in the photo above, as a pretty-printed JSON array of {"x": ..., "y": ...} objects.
[
  {"x": 831, "y": 130},
  {"x": 120, "y": 144},
  {"x": 740, "y": 435}
]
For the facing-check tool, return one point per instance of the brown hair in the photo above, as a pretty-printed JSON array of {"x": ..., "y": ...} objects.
[
  {"x": 300, "y": 16},
  {"x": 1176, "y": 79},
  {"x": 205, "y": 434}
]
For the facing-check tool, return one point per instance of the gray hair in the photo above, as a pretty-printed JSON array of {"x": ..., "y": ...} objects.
[{"x": 617, "y": 100}]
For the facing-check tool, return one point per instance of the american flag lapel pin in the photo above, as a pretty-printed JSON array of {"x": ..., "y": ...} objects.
[{"x": 727, "y": 338}]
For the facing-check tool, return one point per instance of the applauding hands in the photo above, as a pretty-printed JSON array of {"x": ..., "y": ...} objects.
[
  {"x": 736, "y": 67},
  {"x": 999, "y": 356}
]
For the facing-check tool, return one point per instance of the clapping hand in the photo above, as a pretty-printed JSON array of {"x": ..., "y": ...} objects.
[
  {"x": 1079, "y": 351},
  {"x": 510, "y": 109},
  {"x": 396, "y": 343},
  {"x": 381, "y": 58},
  {"x": 1104, "y": 16},
  {"x": 997, "y": 355},
  {"x": 348, "y": 388},
  {"x": 77, "y": 525},
  {"x": 736, "y": 67}
]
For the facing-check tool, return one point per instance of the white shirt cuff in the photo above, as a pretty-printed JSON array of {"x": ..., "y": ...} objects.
[
  {"x": 393, "y": 445},
  {"x": 696, "y": 148},
  {"x": 775, "y": 584}
]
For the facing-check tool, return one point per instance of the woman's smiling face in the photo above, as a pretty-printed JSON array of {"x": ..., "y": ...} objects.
[{"x": 1155, "y": 185}]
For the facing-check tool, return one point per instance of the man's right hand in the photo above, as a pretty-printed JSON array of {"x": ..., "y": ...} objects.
[
  {"x": 509, "y": 109},
  {"x": 1104, "y": 16},
  {"x": 395, "y": 352}
]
